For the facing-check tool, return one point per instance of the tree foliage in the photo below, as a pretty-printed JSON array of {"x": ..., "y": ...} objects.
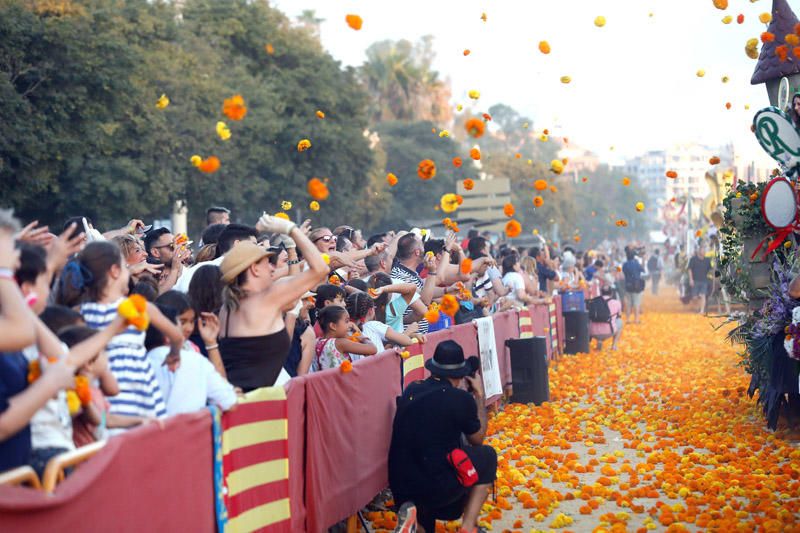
[{"x": 81, "y": 133}]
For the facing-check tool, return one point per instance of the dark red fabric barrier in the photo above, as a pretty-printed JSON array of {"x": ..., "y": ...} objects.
[
  {"x": 151, "y": 479},
  {"x": 296, "y": 412},
  {"x": 348, "y": 431},
  {"x": 540, "y": 323},
  {"x": 506, "y": 326}
]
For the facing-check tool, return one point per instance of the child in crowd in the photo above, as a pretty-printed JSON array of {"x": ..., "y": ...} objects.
[
  {"x": 189, "y": 382},
  {"x": 326, "y": 294},
  {"x": 393, "y": 300},
  {"x": 89, "y": 425},
  {"x": 337, "y": 344},
  {"x": 97, "y": 281},
  {"x": 361, "y": 308},
  {"x": 301, "y": 352}
]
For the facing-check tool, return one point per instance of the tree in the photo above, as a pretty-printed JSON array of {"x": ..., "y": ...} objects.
[
  {"x": 80, "y": 132},
  {"x": 399, "y": 78}
]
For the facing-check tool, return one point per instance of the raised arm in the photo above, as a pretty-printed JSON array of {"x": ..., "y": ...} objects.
[
  {"x": 15, "y": 317},
  {"x": 289, "y": 289}
]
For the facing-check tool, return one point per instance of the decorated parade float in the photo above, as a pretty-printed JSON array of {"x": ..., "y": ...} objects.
[{"x": 759, "y": 256}]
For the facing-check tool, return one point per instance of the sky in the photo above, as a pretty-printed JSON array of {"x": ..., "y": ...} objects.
[{"x": 634, "y": 84}]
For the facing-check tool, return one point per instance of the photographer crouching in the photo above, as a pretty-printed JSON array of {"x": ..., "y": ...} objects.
[{"x": 430, "y": 464}]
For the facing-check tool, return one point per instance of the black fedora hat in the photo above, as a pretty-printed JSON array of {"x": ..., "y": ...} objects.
[{"x": 448, "y": 361}]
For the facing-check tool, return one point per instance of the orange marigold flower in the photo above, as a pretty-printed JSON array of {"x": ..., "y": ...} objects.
[
  {"x": 426, "y": 169},
  {"x": 34, "y": 371},
  {"x": 513, "y": 228},
  {"x": 209, "y": 165},
  {"x": 466, "y": 266},
  {"x": 577, "y": 238},
  {"x": 508, "y": 210},
  {"x": 487, "y": 117},
  {"x": 767, "y": 37},
  {"x": 540, "y": 185},
  {"x": 346, "y": 366},
  {"x": 553, "y": 188},
  {"x": 468, "y": 184},
  {"x": 354, "y": 21},
  {"x": 459, "y": 199},
  {"x": 320, "y": 114},
  {"x": 796, "y": 52},
  {"x": 391, "y": 179},
  {"x": 475, "y": 154},
  {"x": 721, "y": 4},
  {"x": 714, "y": 161},
  {"x": 432, "y": 315},
  {"x": 466, "y": 52},
  {"x": 234, "y": 107},
  {"x": 538, "y": 201},
  {"x": 475, "y": 127},
  {"x": 791, "y": 39},
  {"x": 671, "y": 174},
  {"x": 317, "y": 189},
  {"x": 517, "y": 155},
  {"x": 303, "y": 145},
  {"x": 626, "y": 181},
  {"x": 782, "y": 52},
  {"x": 449, "y": 305},
  {"x": 334, "y": 280},
  {"x": 544, "y": 47},
  {"x": 269, "y": 48},
  {"x": 457, "y": 162}
]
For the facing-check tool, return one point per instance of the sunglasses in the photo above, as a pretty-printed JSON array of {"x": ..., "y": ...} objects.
[
  {"x": 327, "y": 238},
  {"x": 171, "y": 246}
]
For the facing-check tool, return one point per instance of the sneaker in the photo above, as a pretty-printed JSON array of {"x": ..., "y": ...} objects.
[{"x": 407, "y": 518}]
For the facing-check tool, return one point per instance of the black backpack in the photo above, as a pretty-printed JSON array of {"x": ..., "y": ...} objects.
[{"x": 599, "y": 311}]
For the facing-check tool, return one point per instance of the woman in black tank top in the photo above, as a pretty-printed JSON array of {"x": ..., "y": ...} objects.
[{"x": 255, "y": 342}]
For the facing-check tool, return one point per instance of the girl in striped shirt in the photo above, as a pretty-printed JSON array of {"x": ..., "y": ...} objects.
[{"x": 96, "y": 283}]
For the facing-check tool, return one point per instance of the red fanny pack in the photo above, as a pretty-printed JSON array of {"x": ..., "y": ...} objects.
[{"x": 465, "y": 470}]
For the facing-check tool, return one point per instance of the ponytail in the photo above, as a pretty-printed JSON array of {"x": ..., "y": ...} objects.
[
  {"x": 85, "y": 278},
  {"x": 233, "y": 293}
]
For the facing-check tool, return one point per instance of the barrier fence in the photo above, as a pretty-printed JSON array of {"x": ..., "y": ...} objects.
[{"x": 337, "y": 428}]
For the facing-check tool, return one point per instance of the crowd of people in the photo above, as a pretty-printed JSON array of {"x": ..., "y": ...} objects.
[{"x": 253, "y": 306}]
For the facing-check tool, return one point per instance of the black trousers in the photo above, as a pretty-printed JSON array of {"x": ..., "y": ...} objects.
[{"x": 484, "y": 459}]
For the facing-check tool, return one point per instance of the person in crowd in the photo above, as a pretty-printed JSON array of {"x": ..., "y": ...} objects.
[
  {"x": 229, "y": 236},
  {"x": 410, "y": 255},
  {"x": 135, "y": 257},
  {"x": 304, "y": 338},
  {"x": 393, "y": 301},
  {"x": 191, "y": 382},
  {"x": 253, "y": 340},
  {"x": 340, "y": 340},
  {"x": 89, "y": 424},
  {"x": 633, "y": 274},
  {"x": 161, "y": 249},
  {"x": 544, "y": 266},
  {"x": 352, "y": 235},
  {"x": 208, "y": 243},
  {"x": 607, "y": 329},
  {"x": 794, "y": 110},
  {"x": 571, "y": 276},
  {"x": 97, "y": 281},
  {"x": 699, "y": 269},
  {"x": 217, "y": 215},
  {"x": 432, "y": 418},
  {"x": 205, "y": 296},
  {"x": 58, "y": 317},
  {"x": 326, "y": 294},
  {"x": 361, "y": 308},
  {"x": 655, "y": 266},
  {"x": 514, "y": 281},
  {"x": 530, "y": 276}
]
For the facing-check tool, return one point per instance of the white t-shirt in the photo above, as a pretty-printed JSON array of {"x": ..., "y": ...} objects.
[
  {"x": 515, "y": 282},
  {"x": 193, "y": 385},
  {"x": 51, "y": 425},
  {"x": 376, "y": 333},
  {"x": 186, "y": 276}
]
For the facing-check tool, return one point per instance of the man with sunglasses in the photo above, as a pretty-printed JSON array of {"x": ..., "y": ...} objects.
[{"x": 160, "y": 247}]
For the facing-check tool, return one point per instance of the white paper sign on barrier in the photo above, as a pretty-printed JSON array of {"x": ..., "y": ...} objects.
[{"x": 490, "y": 369}]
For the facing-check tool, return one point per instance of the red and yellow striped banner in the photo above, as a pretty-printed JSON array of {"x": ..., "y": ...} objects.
[
  {"x": 413, "y": 365},
  {"x": 255, "y": 462}
]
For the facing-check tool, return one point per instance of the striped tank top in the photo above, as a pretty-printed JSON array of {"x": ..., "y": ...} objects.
[{"x": 139, "y": 394}]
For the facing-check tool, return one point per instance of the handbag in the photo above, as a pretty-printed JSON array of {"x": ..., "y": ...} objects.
[{"x": 462, "y": 464}]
